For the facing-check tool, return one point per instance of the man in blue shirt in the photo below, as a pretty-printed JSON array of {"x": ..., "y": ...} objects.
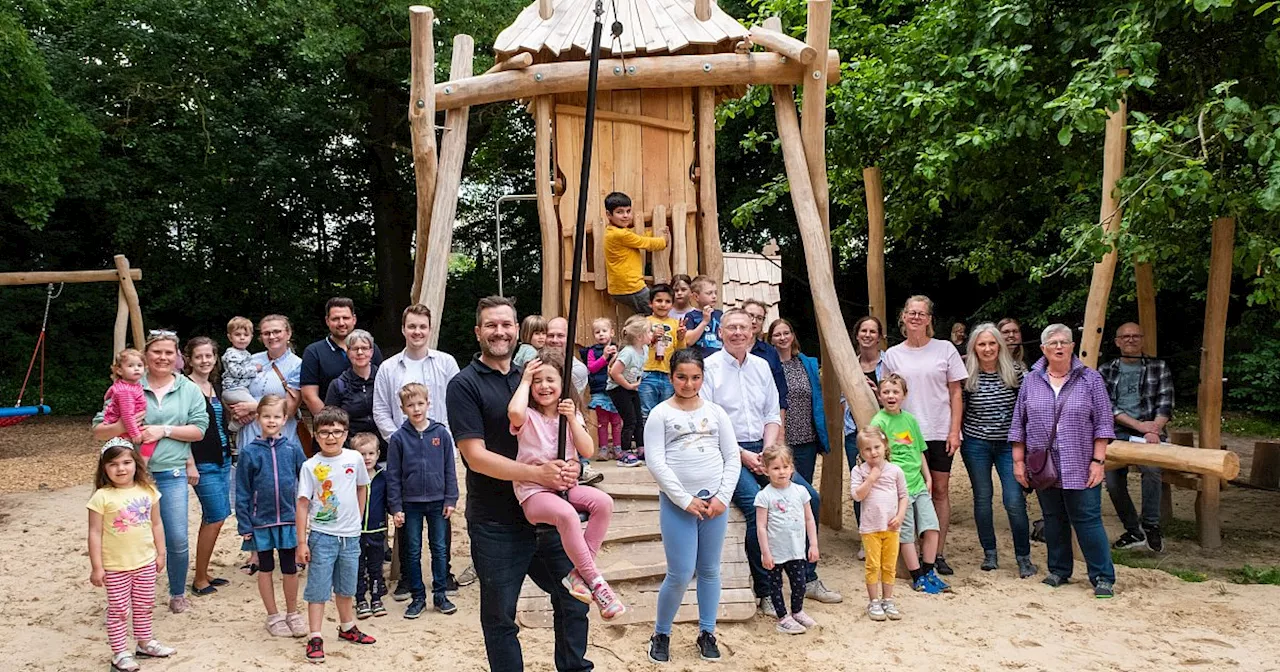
[{"x": 326, "y": 359}]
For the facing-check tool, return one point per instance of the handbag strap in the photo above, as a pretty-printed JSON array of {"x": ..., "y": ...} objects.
[
  {"x": 1057, "y": 407},
  {"x": 285, "y": 384}
]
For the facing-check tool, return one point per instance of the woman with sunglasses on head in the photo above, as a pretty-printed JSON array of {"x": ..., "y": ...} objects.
[{"x": 175, "y": 417}]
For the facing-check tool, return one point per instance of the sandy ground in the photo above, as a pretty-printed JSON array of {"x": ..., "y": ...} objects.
[{"x": 992, "y": 620}]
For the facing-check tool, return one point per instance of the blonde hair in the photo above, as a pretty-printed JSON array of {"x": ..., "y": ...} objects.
[
  {"x": 364, "y": 439},
  {"x": 411, "y": 390},
  {"x": 634, "y": 329},
  {"x": 1004, "y": 360},
  {"x": 117, "y": 364},
  {"x": 778, "y": 451},
  {"x": 902, "y": 317},
  {"x": 701, "y": 282},
  {"x": 237, "y": 323},
  {"x": 532, "y": 324},
  {"x": 873, "y": 433},
  {"x": 271, "y": 400},
  {"x": 895, "y": 379},
  {"x": 605, "y": 320}
]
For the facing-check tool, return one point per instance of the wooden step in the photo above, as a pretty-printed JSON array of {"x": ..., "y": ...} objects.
[{"x": 629, "y": 491}]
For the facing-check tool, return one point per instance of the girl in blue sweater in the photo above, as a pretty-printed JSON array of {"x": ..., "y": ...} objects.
[{"x": 266, "y": 494}]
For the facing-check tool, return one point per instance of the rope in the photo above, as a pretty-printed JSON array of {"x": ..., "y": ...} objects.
[{"x": 40, "y": 350}]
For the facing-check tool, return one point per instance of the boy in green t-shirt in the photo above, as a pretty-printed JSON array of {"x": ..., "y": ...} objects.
[{"x": 906, "y": 449}]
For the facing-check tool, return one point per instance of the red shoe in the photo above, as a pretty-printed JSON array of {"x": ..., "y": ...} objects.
[
  {"x": 355, "y": 636},
  {"x": 315, "y": 650},
  {"x": 610, "y": 606}
]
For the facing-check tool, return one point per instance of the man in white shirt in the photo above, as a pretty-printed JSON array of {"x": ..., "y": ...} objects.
[
  {"x": 417, "y": 363},
  {"x": 557, "y": 337},
  {"x": 742, "y": 384}
]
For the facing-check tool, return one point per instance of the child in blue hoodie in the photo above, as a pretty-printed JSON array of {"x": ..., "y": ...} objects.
[
  {"x": 373, "y": 535},
  {"x": 266, "y": 499},
  {"x": 422, "y": 483}
]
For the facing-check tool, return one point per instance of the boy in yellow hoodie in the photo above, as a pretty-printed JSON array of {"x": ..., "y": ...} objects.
[{"x": 622, "y": 259}]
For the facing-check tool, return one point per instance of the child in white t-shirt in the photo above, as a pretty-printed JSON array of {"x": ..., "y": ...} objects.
[
  {"x": 783, "y": 519},
  {"x": 333, "y": 486}
]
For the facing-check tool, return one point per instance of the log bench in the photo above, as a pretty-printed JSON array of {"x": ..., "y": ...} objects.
[{"x": 1182, "y": 466}]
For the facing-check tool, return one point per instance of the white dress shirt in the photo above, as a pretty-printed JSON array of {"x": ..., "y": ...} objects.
[
  {"x": 745, "y": 391},
  {"x": 434, "y": 372}
]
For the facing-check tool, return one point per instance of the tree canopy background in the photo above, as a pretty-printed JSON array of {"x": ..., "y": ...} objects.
[{"x": 253, "y": 158}]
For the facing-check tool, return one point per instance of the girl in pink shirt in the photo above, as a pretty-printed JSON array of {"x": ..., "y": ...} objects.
[
  {"x": 881, "y": 487},
  {"x": 126, "y": 398},
  {"x": 534, "y": 412}
]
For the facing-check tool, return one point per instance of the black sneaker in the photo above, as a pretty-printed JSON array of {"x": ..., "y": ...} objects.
[
  {"x": 451, "y": 584},
  {"x": 315, "y": 650},
  {"x": 363, "y": 610},
  {"x": 940, "y": 566},
  {"x": 415, "y": 609},
  {"x": 1053, "y": 580},
  {"x": 444, "y": 606},
  {"x": 402, "y": 592},
  {"x": 1103, "y": 590},
  {"x": 660, "y": 648},
  {"x": 376, "y": 608},
  {"x": 1155, "y": 540},
  {"x": 707, "y": 646},
  {"x": 1131, "y": 541}
]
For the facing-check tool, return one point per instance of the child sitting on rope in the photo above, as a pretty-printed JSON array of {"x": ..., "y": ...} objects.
[
  {"x": 622, "y": 245},
  {"x": 534, "y": 412}
]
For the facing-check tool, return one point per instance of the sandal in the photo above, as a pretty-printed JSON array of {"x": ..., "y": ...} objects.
[
  {"x": 207, "y": 590},
  {"x": 249, "y": 568}
]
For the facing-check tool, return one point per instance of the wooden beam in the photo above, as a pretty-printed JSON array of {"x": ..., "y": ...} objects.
[
  {"x": 1095, "y": 311},
  {"x": 1208, "y": 516},
  {"x": 45, "y": 277},
  {"x": 422, "y": 132},
  {"x": 453, "y": 150},
  {"x": 783, "y": 44},
  {"x": 661, "y": 258},
  {"x": 874, "y": 185},
  {"x": 653, "y": 72},
  {"x": 679, "y": 239},
  {"x": 1222, "y": 464},
  {"x": 712, "y": 251},
  {"x": 545, "y": 9},
  {"x": 1144, "y": 276},
  {"x": 547, "y": 219},
  {"x": 121, "y": 332},
  {"x": 840, "y": 355},
  {"x": 520, "y": 61},
  {"x": 642, "y": 120},
  {"x": 1166, "y": 488},
  {"x": 131, "y": 298},
  {"x": 702, "y": 9}
]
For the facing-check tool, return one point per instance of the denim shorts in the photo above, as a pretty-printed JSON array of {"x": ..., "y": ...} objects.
[
  {"x": 334, "y": 566},
  {"x": 213, "y": 492},
  {"x": 921, "y": 517}
]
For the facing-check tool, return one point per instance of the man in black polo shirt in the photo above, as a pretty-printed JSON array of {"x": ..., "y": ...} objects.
[
  {"x": 326, "y": 359},
  {"x": 504, "y": 546}
]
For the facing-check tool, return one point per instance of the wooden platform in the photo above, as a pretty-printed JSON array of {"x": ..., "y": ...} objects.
[{"x": 634, "y": 563}]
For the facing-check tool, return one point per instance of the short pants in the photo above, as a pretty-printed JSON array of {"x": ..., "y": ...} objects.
[
  {"x": 937, "y": 458},
  {"x": 334, "y": 567},
  {"x": 921, "y": 517}
]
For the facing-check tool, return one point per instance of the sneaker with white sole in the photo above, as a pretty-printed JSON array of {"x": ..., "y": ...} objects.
[
  {"x": 766, "y": 607},
  {"x": 468, "y": 576},
  {"x": 573, "y": 583},
  {"x": 124, "y": 662},
  {"x": 789, "y": 626},
  {"x": 876, "y": 610},
  {"x": 891, "y": 610},
  {"x": 628, "y": 460},
  {"x": 1131, "y": 541},
  {"x": 804, "y": 619},
  {"x": 297, "y": 625},
  {"x": 815, "y": 590},
  {"x": 610, "y": 606},
  {"x": 154, "y": 649},
  {"x": 589, "y": 476},
  {"x": 707, "y": 648}
]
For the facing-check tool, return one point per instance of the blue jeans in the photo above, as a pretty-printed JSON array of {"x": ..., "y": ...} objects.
[
  {"x": 335, "y": 563},
  {"x": 692, "y": 547},
  {"x": 1117, "y": 481},
  {"x": 805, "y": 456},
  {"x": 1081, "y": 510},
  {"x": 172, "y": 486},
  {"x": 503, "y": 555},
  {"x": 980, "y": 457},
  {"x": 437, "y": 532},
  {"x": 655, "y": 388},
  {"x": 744, "y": 498},
  {"x": 213, "y": 492}
]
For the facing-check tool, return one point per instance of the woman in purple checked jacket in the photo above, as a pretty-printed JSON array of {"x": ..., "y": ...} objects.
[{"x": 1060, "y": 386}]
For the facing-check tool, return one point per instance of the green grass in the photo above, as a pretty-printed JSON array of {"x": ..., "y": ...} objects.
[
  {"x": 1144, "y": 561},
  {"x": 1250, "y": 574},
  {"x": 1239, "y": 423},
  {"x": 1182, "y": 530}
]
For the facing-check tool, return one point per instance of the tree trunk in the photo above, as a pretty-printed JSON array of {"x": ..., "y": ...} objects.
[{"x": 393, "y": 220}]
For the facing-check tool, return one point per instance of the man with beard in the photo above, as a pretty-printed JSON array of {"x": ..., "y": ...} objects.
[
  {"x": 505, "y": 547},
  {"x": 326, "y": 359}
]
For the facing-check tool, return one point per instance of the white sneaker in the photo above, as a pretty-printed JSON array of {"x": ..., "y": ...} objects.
[
  {"x": 789, "y": 626},
  {"x": 815, "y": 590},
  {"x": 876, "y": 610},
  {"x": 891, "y": 610},
  {"x": 862, "y": 554},
  {"x": 589, "y": 476},
  {"x": 766, "y": 607}
]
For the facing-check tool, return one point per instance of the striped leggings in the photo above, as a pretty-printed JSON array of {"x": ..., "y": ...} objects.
[{"x": 131, "y": 591}]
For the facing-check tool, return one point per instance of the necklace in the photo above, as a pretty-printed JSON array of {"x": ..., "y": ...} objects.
[{"x": 1059, "y": 377}]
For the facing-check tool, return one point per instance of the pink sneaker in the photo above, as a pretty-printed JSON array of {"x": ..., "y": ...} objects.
[
  {"x": 610, "y": 606},
  {"x": 804, "y": 619},
  {"x": 573, "y": 583}
]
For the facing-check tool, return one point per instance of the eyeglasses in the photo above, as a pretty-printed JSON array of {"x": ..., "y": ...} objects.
[
  {"x": 273, "y": 332},
  {"x": 916, "y": 313},
  {"x": 331, "y": 433},
  {"x": 1054, "y": 345},
  {"x": 1130, "y": 337},
  {"x": 756, "y": 318},
  {"x": 736, "y": 328},
  {"x": 360, "y": 349}
]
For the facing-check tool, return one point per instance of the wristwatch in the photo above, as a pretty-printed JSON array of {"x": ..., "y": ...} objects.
[
  {"x": 1095, "y": 460},
  {"x": 168, "y": 431}
]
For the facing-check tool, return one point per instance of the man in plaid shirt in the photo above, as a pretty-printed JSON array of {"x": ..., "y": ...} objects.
[{"x": 1141, "y": 390}]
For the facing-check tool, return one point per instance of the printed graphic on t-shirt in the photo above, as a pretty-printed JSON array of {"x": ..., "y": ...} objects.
[
  {"x": 693, "y": 435},
  {"x": 135, "y": 514},
  {"x": 903, "y": 438},
  {"x": 328, "y": 501}
]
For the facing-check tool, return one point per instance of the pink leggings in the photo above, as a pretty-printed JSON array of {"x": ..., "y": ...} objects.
[
  {"x": 130, "y": 593},
  {"x": 606, "y": 420},
  {"x": 581, "y": 546}
]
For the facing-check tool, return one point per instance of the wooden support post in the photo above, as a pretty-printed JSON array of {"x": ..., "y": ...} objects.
[
  {"x": 1095, "y": 311},
  {"x": 1166, "y": 489},
  {"x": 841, "y": 359},
  {"x": 661, "y": 258},
  {"x": 702, "y": 9},
  {"x": 1145, "y": 279},
  {"x": 784, "y": 44},
  {"x": 679, "y": 239},
  {"x": 1208, "y": 516},
  {"x": 45, "y": 277},
  {"x": 547, "y": 219},
  {"x": 520, "y": 61},
  {"x": 1264, "y": 469},
  {"x": 453, "y": 150},
  {"x": 422, "y": 132},
  {"x": 122, "y": 322},
  {"x": 545, "y": 9},
  {"x": 712, "y": 252},
  {"x": 873, "y": 182},
  {"x": 131, "y": 298}
]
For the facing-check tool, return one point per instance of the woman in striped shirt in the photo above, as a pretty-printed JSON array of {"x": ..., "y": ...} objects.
[{"x": 990, "y": 393}]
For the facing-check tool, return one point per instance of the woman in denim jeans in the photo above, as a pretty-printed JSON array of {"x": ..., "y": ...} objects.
[
  {"x": 175, "y": 417},
  {"x": 990, "y": 393},
  {"x": 212, "y": 454}
]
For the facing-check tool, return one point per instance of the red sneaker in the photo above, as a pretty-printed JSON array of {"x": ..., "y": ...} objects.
[
  {"x": 355, "y": 636},
  {"x": 315, "y": 650}
]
